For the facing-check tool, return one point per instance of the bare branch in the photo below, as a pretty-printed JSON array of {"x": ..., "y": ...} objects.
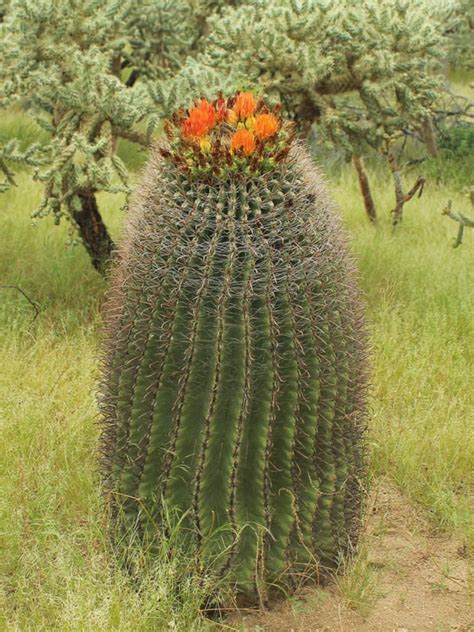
[
  {"x": 133, "y": 136},
  {"x": 33, "y": 303},
  {"x": 461, "y": 219}
]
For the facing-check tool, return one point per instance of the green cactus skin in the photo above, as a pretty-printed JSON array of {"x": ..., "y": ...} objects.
[{"x": 234, "y": 373}]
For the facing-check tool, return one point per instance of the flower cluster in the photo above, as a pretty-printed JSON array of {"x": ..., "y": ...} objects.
[{"x": 236, "y": 134}]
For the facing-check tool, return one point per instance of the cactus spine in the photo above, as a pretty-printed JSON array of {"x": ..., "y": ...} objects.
[{"x": 234, "y": 377}]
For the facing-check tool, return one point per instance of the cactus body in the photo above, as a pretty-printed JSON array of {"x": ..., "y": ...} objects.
[{"x": 234, "y": 376}]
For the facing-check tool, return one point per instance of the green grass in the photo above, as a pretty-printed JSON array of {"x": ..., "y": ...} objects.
[
  {"x": 421, "y": 303},
  {"x": 17, "y": 124},
  {"x": 358, "y": 583},
  {"x": 56, "y": 572}
]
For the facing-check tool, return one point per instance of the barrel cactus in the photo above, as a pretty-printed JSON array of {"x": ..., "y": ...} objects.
[{"x": 234, "y": 377}]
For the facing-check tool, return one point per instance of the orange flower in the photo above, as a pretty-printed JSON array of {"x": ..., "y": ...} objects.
[
  {"x": 200, "y": 120},
  {"x": 245, "y": 104},
  {"x": 265, "y": 125},
  {"x": 244, "y": 140}
]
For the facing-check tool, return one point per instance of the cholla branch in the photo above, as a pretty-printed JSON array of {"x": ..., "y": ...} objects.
[
  {"x": 133, "y": 136},
  {"x": 462, "y": 220}
]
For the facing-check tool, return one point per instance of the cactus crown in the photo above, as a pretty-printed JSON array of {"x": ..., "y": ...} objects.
[{"x": 239, "y": 134}]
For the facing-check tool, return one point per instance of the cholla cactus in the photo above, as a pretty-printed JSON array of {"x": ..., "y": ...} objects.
[
  {"x": 80, "y": 70},
  {"x": 459, "y": 29},
  {"x": 234, "y": 376}
]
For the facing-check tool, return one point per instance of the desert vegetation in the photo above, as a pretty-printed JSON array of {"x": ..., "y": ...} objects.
[{"x": 381, "y": 93}]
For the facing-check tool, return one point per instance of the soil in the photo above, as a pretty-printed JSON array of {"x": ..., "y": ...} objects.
[{"x": 419, "y": 582}]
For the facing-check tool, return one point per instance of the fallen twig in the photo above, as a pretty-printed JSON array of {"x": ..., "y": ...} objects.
[{"x": 33, "y": 303}]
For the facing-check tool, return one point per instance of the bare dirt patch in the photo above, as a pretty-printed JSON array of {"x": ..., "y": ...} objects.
[{"x": 417, "y": 580}]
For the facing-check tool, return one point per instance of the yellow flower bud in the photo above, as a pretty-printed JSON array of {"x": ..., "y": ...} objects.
[
  {"x": 231, "y": 117},
  {"x": 250, "y": 122},
  {"x": 205, "y": 144}
]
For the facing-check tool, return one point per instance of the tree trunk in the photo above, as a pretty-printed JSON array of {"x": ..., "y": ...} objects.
[
  {"x": 399, "y": 196},
  {"x": 429, "y": 137},
  {"x": 365, "y": 188},
  {"x": 402, "y": 198},
  {"x": 93, "y": 232}
]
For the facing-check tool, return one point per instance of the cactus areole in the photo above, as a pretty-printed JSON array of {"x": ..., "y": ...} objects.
[{"x": 234, "y": 375}]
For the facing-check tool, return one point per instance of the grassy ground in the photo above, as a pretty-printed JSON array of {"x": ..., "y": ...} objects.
[{"x": 56, "y": 573}]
